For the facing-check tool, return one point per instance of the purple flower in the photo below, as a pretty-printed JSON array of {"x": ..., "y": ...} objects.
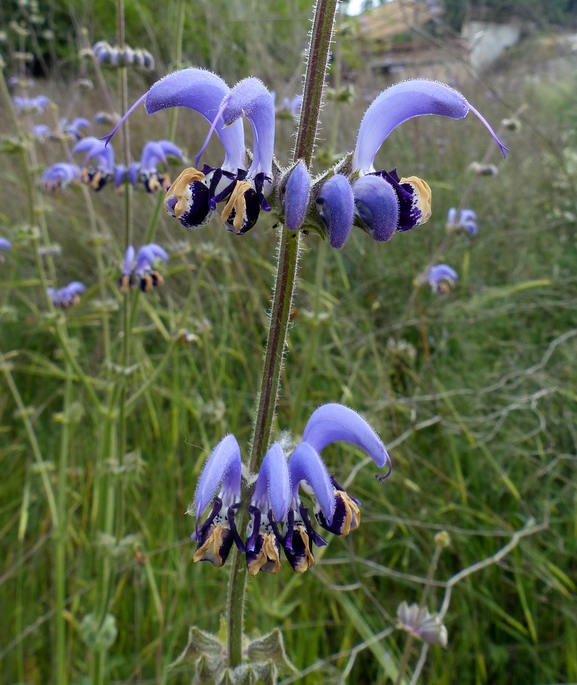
[
  {"x": 73, "y": 129},
  {"x": 5, "y": 244},
  {"x": 153, "y": 154},
  {"x": 59, "y": 175},
  {"x": 26, "y": 105},
  {"x": 279, "y": 520},
  {"x": 441, "y": 278},
  {"x": 142, "y": 270},
  {"x": 290, "y": 107},
  {"x": 222, "y": 474},
  {"x": 67, "y": 296},
  {"x": 393, "y": 107},
  {"x": 195, "y": 194},
  {"x": 465, "y": 222},
  {"x": 41, "y": 132},
  {"x": 101, "y": 171}
]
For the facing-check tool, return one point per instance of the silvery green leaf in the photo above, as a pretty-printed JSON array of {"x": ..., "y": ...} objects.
[{"x": 270, "y": 648}]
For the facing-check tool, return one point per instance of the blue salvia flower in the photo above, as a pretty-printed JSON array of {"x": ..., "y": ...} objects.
[
  {"x": 195, "y": 194},
  {"x": 290, "y": 107},
  {"x": 74, "y": 128},
  {"x": 279, "y": 519},
  {"x": 441, "y": 278},
  {"x": 59, "y": 175},
  {"x": 139, "y": 268},
  {"x": 67, "y": 296},
  {"x": 5, "y": 244},
  {"x": 14, "y": 81},
  {"x": 26, "y": 105},
  {"x": 101, "y": 171},
  {"x": 465, "y": 222},
  {"x": 382, "y": 202},
  {"x": 222, "y": 475},
  {"x": 153, "y": 154},
  {"x": 41, "y": 132}
]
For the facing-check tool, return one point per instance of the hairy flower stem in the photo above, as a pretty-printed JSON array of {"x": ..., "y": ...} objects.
[{"x": 287, "y": 263}]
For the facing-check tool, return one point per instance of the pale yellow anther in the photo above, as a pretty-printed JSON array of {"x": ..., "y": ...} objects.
[
  {"x": 180, "y": 186},
  {"x": 422, "y": 197},
  {"x": 268, "y": 559},
  {"x": 353, "y": 513},
  {"x": 308, "y": 561},
  {"x": 210, "y": 550},
  {"x": 238, "y": 202}
]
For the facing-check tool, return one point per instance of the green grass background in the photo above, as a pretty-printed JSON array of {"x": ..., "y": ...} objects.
[{"x": 497, "y": 448}]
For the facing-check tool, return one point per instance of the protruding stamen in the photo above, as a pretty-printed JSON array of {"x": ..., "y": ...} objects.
[
  {"x": 237, "y": 202},
  {"x": 180, "y": 186}
]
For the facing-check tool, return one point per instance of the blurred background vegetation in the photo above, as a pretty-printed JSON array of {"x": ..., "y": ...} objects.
[{"x": 474, "y": 390}]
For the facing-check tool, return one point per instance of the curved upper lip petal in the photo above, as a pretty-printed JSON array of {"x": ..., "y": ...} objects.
[
  {"x": 251, "y": 98},
  {"x": 306, "y": 464},
  {"x": 436, "y": 273},
  {"x": 97, "y": 149},
  {"x": 148, "y": 254},
  {"x": 223, "y": 466},
  {"x": 402, "y": 102},
  {"x": 61, "y": 171},
  {"x": 155, "y": 152},
  {"x": 273, "y": 481},
  {"x": 333, "y": 422},
  {"x": 202, "y": 91},
  {"x": 128, "y": 259}
]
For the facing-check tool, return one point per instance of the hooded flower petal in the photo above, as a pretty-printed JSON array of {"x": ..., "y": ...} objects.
[
  {"x": 272, "y": 487},
  {"x": 251, "y": 98},
  {"x": 441, "y": 278},
  {"x": 98, "y": 150},
  {"x": 5, "y": 244},
  {"x": 297, "y": 194},
  {"x": 336, "y": 205},
  {"x": 377, "y": 206},
  {"x": 223, "y": 467},
  {"x": 402, "y": 102},
  {"x": 306, "y": 465},
  {"x": 466, "y": 221},
  {"x": 334, "y": 422},
  {"x": 59, "y": 175},
  {"x": 128, "y": 260},
  {"x": 202, "y": 91}
]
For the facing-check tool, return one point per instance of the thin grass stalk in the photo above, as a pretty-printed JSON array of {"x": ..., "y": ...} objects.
[
  {"x": 61, "y": 534},
  {"x": 287, "y": 264}
]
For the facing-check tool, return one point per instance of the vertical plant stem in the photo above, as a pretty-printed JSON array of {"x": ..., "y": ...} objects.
[
  {"x": 61, "y": 534},
  {"x": 287, "y": 263}
]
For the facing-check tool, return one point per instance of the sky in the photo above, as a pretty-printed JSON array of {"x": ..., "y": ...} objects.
[{"x": 354, "y": 7}]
